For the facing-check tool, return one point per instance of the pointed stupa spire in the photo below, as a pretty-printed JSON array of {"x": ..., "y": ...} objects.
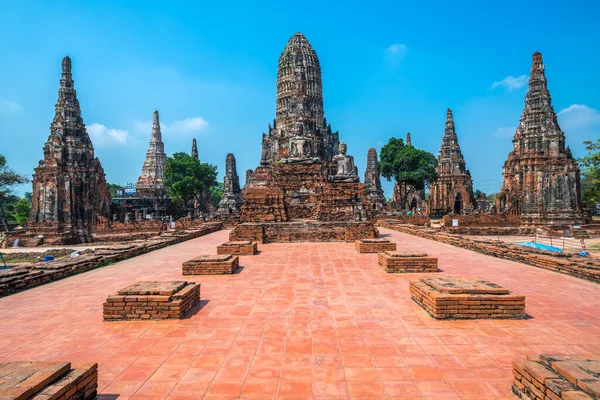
[
  {"x": 194, "y": 149},
  {"x": 156, "y": 134},
  {"x": 151, "y": 180},
  {"x": 408, "y": 141}
]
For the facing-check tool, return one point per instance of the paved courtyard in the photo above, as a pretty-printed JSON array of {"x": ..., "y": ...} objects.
[{"x": 301, "y": 321}]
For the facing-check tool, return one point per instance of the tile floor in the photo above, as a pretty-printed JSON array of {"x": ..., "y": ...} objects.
[{"x": 300, "y": 321}]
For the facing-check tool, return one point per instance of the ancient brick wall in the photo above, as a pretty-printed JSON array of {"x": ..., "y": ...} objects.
[{"x": 481, "y": 220}]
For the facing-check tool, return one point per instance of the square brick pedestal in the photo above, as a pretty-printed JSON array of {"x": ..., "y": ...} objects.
[
  {"x": 243, "y": 248},
  {"x": 557, "y": 377},
  {"x": 48, "y": 380},
  {"x": 398, "y": 261},
  {"x": 152, "y": 300},
  {"x": 374, "y": 245},
  {"x": 466, "y": 298},
  {"x": 211, "y": 265}
]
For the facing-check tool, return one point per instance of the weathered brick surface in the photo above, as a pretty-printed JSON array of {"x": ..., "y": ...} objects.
[
  {"x": 30, "y": 275},
  {"x": 374, "y": 245},
  {"x": 152, "y": 300},
  {"x": 557, "y": 377},
  {"x": 48, "y": 380},
  {"x": 570, "y": 264},
  {"x": 466, "y": 298},
  {"x": 402, "y": 262},
  {"x": 305, "y": 231},
  {"x": 242, "y": 248},
  {"x": 211, "y": 265}
]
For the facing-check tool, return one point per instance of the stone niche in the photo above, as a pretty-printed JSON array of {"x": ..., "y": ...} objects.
[
  {"x": 219, "y": 264},
  {"x": 242, "y": 248},
  {"x": 403, "y": 262},
  {"x": 466, "y": 298},
  {"x": 374, "y": 245},
  {"x": 557, "y": 377},
  {"x": 152, "y": 300},
  {"x": 48, "y": 380}
]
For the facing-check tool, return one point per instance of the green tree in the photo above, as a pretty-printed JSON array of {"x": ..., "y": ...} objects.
[
  {"x": 590, "y": 172},
  {"x": 410, "y": 167},
  {"x": 21, "y": 211},
  {"x": 8, "y": 179},
  {"x": 186, "y": 177},
  {"x": 216, "y": 193},
  {"x": 112, "y": 188}
]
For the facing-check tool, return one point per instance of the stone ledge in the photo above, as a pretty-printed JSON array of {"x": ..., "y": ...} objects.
[
  {"x": 152, "y": 300},
  {"x": 405, "y": 262},
  {"x": 466, "y": 298},
  {"x": 557, "y": 377},
  {"x": 48, "y": 380},
  {"x": 242, "y": 248},
  {"x": 303, "y": 231},
  {"x": 219, "y": 264},
  {"x": 373, "y": 245}
]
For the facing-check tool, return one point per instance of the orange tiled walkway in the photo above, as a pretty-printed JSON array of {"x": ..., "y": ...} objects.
[{"x": 311, "y": 320}]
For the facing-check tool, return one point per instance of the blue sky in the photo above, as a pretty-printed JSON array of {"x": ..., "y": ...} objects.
[{"x": 210, "y": 69}]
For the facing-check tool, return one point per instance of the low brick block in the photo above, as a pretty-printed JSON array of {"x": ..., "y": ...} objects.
[
  {"x": 466, "y": 298},
  {"x": 374, "y": 245},
  {"x": 243, "y": 248},
  {"x": 219, "y": 264},
  {"x": 554, "y": 377},
  {"x": 48, "y": 380},
  {"x": 152, "y": 300},
  {"x": 403, "y": 262}
]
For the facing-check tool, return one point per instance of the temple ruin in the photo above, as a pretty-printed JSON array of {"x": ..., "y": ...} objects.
[
  {"x": 231, "y": 200},
  {"x": 541, "y": 177},
  {"x": 306, "y": 187},
  {"x": 69, "y": 185},
  {"x": 151, "y": 182},
  {"x": 375, "y": 196},
  {"x": 452, "y": 192}
]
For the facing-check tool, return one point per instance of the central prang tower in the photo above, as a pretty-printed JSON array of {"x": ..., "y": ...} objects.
[
  {"x": 306, "y": 187},
  {"x": 300, "y": 129}
]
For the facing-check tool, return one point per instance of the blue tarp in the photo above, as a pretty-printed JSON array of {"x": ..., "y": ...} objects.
[{"x": 540, "y": 246}]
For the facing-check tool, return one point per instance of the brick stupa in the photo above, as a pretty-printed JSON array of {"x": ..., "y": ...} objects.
[
  {"x": 306, "y": 188},
  {"x": 69, "y": 185},
  {"x": 541, "y": 177},
  {"x": 453, "y": 190}
]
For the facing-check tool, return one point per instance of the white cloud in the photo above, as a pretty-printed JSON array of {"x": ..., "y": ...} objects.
[
  {"x": 101, "y": 135},
  {"x": 9, "y": 106},
  {"x": 579, "y": 117},
  {"x": 180, "y": 127},
  {"x": 505, "y": 132},
  {"x": 397, "y": 51},
  {"x": 511, "y": 83}
]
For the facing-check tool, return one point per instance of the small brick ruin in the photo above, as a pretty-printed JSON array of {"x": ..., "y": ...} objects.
[
  {"x": 406, "y": 261},
  {"x": 152, "y": 300},
  {"x": 243, "y": 248},
  {"x": 305, "y": 174},
  {"x": 231, "y": 200},
  {"x": 466, "y": 298},
  {"x": 44, "y": 380},
  {"x": 553, "y": 377},
  {"x": 220, "y": 264},
  {"x": 453, "y": 190},
  {"x": 374, "y": 245}
]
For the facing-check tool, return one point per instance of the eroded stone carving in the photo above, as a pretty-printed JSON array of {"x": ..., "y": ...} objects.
[{"x": 346, "y": 171}]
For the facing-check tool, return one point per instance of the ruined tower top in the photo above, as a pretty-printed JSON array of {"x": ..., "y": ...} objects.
[
  {"x": 156, "y": 134},
  {"x": 231, "y": 200},
  {"x": 66, "y": 65},
  {"x": 408, "y": 141},
  {"x": 538, "y": 131},
  {"x": 450, "y": 158},
  {"x": 151, "y": 183},
  {"x": 195, "y": 149},
  {"x": 299, "y": 89}
]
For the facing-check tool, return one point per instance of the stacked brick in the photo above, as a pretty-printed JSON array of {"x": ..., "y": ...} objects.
[
  {"x": 152, "y": 300},
  {"x": 557, "y": 377},
  {"x": 303, "y": 231},
  {"x": 466, "y": 298},
  {"x": 374, "y": 245},
  {"x": 219, "y": 264},
  {"x": 243, "y": 248},
  {"x": 48, "y": 380},
  {"x": 570, "y": 264},
  {"x": 34, "y": 274},
  {"x": 405, "y": 262}
]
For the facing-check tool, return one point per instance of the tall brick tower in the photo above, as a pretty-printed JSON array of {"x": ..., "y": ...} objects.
[{"x": 541, "y": 177}]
